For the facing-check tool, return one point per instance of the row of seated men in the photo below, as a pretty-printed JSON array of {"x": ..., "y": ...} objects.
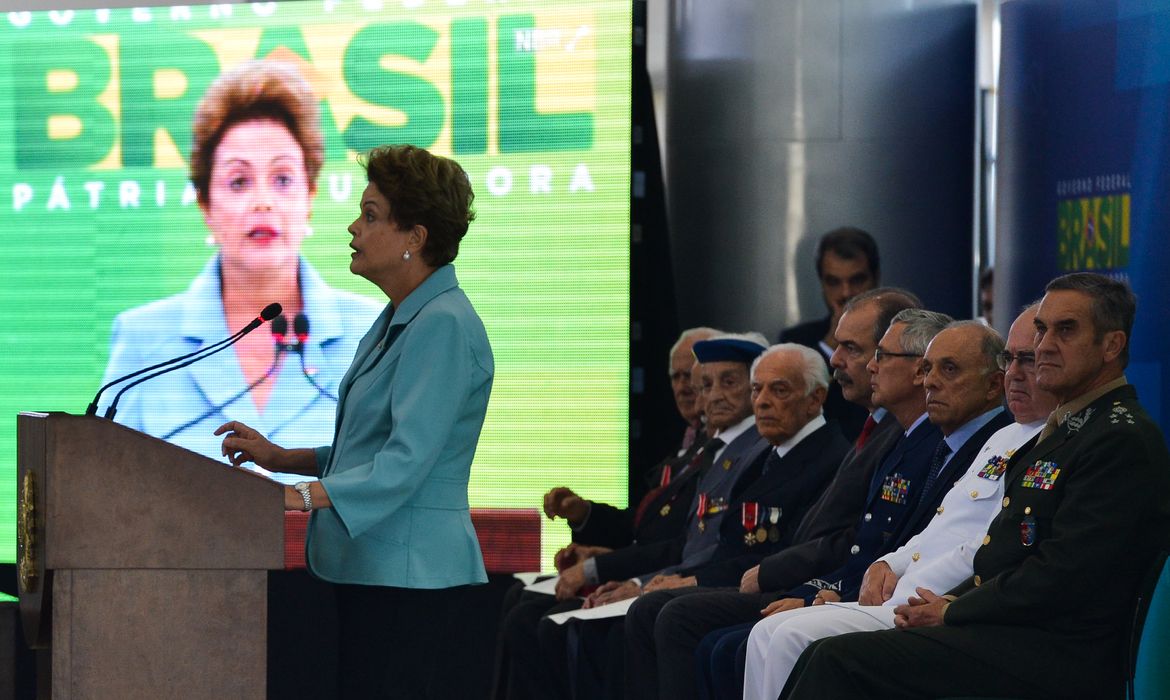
[{"x": 984, "y": 534}]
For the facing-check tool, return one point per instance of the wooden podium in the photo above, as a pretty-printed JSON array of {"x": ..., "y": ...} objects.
[{"x": 143, "y": 566}]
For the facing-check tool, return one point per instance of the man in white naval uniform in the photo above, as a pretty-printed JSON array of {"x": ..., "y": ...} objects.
[{"x": 936, "y": 559}]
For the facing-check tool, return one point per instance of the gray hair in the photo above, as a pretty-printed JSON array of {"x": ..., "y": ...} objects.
[
  {"x": 813, "y": 369},
  {"x": 990, "y": 345},
  {"x": 694, "y": 335},
  {"x": 921, "y": 327}
]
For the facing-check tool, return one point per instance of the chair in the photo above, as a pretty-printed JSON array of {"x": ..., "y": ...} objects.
[{"x": 1149, "y": 656}]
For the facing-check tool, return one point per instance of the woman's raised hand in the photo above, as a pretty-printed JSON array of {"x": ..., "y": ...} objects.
[{"x": 243, "y": 444}]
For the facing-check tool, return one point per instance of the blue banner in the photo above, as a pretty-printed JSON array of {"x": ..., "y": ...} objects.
[{"x": 1083, "y": 163}]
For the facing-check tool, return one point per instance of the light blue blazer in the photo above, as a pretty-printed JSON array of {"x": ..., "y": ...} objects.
[
  {"x": 296, "y": 415},
  {"x": 412, "y": 406}
]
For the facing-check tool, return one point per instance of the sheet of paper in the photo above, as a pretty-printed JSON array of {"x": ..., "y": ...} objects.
[
  {"x": 528, "y": 577},
  {"x": 548, "y": 586},
  {"x": 601, "y": 612}
]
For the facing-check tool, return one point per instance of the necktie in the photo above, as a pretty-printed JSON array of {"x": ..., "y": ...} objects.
[
  {"x": 772, "y": 460},
  {"x": 1050, "y": 427},
  {"x": 866, "y": 429},
  {"x": 700, "y": 462},
  {"x": 936, "y": 464}
]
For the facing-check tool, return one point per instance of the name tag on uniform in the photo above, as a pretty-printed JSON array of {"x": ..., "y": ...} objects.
[
  {"x": 1041, "y": 475},
  {"x": 895, "y": 489}
]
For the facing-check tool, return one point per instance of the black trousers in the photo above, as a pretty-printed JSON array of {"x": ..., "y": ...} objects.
[
  {"x": 664, "y": 628},
  {"x": 394, "y": 642},
  {"x": 925, "y": 663},
  {"x": 530, "y": 654}
]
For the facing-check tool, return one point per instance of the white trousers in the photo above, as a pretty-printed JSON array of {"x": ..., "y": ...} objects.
[{"x": 776, "y": 642}]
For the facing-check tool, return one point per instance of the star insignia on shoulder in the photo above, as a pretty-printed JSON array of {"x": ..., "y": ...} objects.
[{"x": 1120, "y": 413}]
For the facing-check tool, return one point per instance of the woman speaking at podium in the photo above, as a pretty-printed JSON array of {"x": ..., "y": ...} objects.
[{"x": 390, "y": 523}]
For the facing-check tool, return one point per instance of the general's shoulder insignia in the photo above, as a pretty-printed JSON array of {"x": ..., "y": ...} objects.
[{"x": 1120, "y": 413}]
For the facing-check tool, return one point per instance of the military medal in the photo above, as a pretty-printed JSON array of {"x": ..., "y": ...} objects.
[
  {"x": 665, "y": 480},
  {"x": 995, "y": 467},
  {"x": 1041, "y": 475},
  {"x": 702, "y": 511},
  {"x": 726, "y": 464},
  {"x": 750, "y": 517},
  {"x": 665, "y": 511},
  {"x": 895, "y": 489},
  {"x": 1028, "y": 528},
  {"x": 774, "y": 514}
]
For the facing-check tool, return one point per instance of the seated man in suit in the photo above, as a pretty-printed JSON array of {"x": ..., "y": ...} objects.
[
  {"x": 1086, "y": 506},
  {"x": 735, "y": 442},
  {"x": 768, "y": 500},
  {"x": 847, "y": 264},
  {"x": 937, "y": 558},
  {"x": 597, "y": 525},
  {"x": 533, "y": 669}
]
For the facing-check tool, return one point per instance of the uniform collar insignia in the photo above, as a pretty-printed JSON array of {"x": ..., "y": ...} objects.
[{"x": 1076, "y": 422}]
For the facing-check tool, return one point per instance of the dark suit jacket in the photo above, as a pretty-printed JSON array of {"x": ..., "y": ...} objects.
[
  {"x": 663, "y": 518},
  {"x": 638, "y": 559},
  {"x": 822, "y": 540},
  {"x": 1063, "y": 600},
  {"x": 792, "y": 484}
]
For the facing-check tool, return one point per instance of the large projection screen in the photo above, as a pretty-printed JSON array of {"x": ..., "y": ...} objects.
[{"x": 531, "y": 97}]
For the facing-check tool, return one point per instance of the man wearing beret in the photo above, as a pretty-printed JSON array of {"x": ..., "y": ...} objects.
[
  {"x": 1086, "y": 508},
  {"x": 734, "y": 444}
]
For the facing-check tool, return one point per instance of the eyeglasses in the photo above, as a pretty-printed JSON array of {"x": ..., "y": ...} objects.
[
  {"x": 1005, "y": 359},
  {"x": 879, "y": 355}
]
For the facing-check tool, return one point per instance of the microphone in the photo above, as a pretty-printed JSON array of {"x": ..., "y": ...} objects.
[
  {"x": 301, "y": 329},
  {"x": 281, "y": 335},
  {"x": 267, "y": 314},
  {"x": 279, "y": 349}
]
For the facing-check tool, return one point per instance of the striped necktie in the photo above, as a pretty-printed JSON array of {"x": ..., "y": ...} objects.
[{"x": 936, "y": 464}]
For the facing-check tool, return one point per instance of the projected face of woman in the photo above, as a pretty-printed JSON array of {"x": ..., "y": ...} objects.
[{"x": 259, "y": 198}]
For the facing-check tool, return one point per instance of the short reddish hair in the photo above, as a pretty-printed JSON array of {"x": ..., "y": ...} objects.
[
  {"x": 425, "y": 189},
  {"x": 255, "y": 90}
]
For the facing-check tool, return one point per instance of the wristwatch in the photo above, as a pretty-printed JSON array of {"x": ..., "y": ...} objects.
[{"x": 302, "y": 488}]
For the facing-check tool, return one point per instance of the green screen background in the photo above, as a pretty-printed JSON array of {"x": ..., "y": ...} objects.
[{"x": 503, "y": 87}]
